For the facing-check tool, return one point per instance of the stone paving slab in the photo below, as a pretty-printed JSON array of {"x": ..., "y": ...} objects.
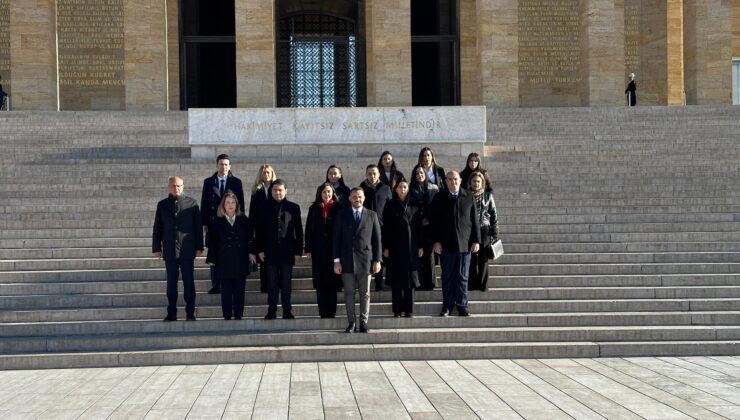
[{"x": 606, "y": 388}]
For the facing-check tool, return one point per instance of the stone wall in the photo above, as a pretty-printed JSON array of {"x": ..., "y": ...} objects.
[
  {"x": 388, "y": 35},
  {"x": 255, "y": 53}
]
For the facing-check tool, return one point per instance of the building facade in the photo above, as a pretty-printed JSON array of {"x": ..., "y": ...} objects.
[{"x": 178, "y": 54}]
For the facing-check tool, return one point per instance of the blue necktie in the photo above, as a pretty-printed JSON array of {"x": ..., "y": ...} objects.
[
  {"x": 223, "y": 187},
  {"x": 357, "y": 217}
]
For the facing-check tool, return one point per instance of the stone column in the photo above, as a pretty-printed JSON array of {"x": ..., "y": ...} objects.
[
  {"x": 736, "y": 28},
  {"x": 708, "y": 52},
  {"x": 602, "y": 61},
  {"x": 145, "y": 54},
  {"x": 470, "y": 70},
  {"x": 498, "y": 42},
  {"x": 255, "y": 53},
  {"x": 675, "y": 76},
  {"x": 173, "y": 52},
  {"x": 33, "y": 55},
  {"x": 388, "y": 35}
]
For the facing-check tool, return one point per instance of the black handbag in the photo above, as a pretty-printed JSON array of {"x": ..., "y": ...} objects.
[{"x": 495, "y": 250}]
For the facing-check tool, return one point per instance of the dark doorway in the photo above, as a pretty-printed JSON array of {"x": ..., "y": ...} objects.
[
  {"x": 435, "y": 62},
  {"x": 320, "y": 54},
  {"x": 207, "y": 54}
]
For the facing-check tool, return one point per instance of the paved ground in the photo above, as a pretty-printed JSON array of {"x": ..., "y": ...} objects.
[{"x": 654, "y": 388}]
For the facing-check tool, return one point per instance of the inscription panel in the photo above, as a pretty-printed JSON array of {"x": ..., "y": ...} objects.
[
  {"x": 91, "y": 54},
  {"x": 549, "y": 52},
  {"x": 632, "y": 15},
  {"x": 5, "y": 44}
]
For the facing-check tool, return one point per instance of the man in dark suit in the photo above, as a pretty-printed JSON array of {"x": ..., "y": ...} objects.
[
  {"x": 377, "y": 194},
  {"x": 357, "y": 255},
  {"x": 177, "y": 237},
  {"x": 214, "y": 187},
  {"x": 280, "y": 246},
  {"x": 456, "y": 234}
]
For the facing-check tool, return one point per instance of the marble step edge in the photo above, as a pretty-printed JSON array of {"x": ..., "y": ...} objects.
[
  {"x": 311, "y": 323},
  {"x": 369, "y": 352},
  {"x": 336, "y": 336}
]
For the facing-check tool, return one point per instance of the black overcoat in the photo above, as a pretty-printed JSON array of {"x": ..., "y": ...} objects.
[
  {"x": 211, "y": 196},
  {"x": 454, "y": 222},
  {"x": 230, "y": 247},
  {"x": 376, "y": 196},
  {"x": 280, "y": 232},
  {"x": 177, "y": 230},
  {"x": 402, "y": 237},
  {"x": 319, "y": 236}
]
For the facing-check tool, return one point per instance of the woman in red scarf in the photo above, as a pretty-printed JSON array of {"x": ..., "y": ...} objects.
[{"x": 318, "y": 245}]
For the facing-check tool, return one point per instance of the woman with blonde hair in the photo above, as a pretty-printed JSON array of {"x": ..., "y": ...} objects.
[
  {"x": 260, "y": 195},
  {"x": 230, "y": 251}
]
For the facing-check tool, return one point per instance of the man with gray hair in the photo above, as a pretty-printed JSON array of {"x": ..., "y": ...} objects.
[{"x": 177, "y": 237}]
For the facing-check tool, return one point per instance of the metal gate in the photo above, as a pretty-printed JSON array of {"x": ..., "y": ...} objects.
[{"x": 320, "y": 62}]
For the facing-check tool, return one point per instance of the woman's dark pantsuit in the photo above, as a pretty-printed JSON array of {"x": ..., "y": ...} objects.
[
  {"x": 232, "y": 297},
  {"x": 326, "y": 289},
  {"x": 478, "y": 277},
  {"x": 403, "y": 299}
]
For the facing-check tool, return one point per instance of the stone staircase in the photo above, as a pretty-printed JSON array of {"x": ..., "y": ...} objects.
[{"x": 620, "y": 226}]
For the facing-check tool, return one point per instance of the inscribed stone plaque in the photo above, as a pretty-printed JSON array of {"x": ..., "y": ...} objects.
[
  {"x": 632, "y": 15},
  {"x": 91, "y": 54},
  {"x": 549, "y": 52},
  {"x": 5, "y": 44}
]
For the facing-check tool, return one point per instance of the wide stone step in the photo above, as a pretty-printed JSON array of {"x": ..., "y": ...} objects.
[
  {"x": 383, "y": 308},
  {"x": 612, "y": 269},
  {"x": 308, "y": 297},
  {"x": 637, "y": 280},
  {"x": 374, "y": 352},
  {"x": 215, "y": 339}
]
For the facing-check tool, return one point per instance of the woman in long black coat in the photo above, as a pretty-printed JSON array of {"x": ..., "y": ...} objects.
[
  {"x": 261, "y": 193},
  {"x": 422, "y": 192},
  {"x": 401, "y": 236},
  {"x": 231, "y": 251},
  {"x": 318, "y": 245},
  {"x": 485, "y": 209}
]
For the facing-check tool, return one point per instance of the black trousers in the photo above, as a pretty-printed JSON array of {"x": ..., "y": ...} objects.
[
  {"x": 403, "y": 299},
  {"x": 279, "y": 282},
  {"x": 478, "y": 277},
  {"x": 426, "y": 268},
  {"x": 173, "y": 269},
  {"x": 232, "y": 297},
  {"x": 326, "y": 288}
]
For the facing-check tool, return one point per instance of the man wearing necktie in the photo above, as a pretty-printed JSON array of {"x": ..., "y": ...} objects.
[
  {"x": 456, "y": 234},
  {"x": 214, "y": 188},
  {"x": 357, "y": 255}
]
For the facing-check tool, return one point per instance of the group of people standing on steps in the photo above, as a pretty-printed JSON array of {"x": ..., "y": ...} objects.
[{"x": 389, "y": 223}]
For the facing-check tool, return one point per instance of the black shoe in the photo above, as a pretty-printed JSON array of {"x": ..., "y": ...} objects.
[
  {"x": 288, "y": 315},
  {"x": 350, "y": 328},
  {"x": 363, "y": 327},
  {"x": 190, "y": 318},
  {"x": 270, "y": 315},
  {"x": 463, "y": 312},
  {"x": 169, "y": 318},
  {"x": 445, "y": 312},
  {"x": 409, "y": 315},
  {"x": 396, "y": 315},
  {"x": 214, "y": 290},
  {"x": 237, "y": 318},
  {"x": 227, "y": 318}
]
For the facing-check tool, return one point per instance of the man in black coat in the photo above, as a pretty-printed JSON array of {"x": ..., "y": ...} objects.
[
  {"x": 357, "y": 255},
  {"x": 377, "y": 194},
  {"x": 177, "y": 237},
  {"x": 214, "y": 187},
  {"x": 456, "y": 234},
  {"x": 280, "y": 246}
]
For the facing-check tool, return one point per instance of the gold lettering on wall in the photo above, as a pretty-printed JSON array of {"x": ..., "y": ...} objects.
[
  {"x": 632, "y": 35},
  {"x": 91, "y": 54},
  {"x": 549, "y": 52},
  {"x": 5, "y": 44}
]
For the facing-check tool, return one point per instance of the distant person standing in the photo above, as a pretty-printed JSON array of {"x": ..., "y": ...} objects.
[
  {"x": 456, "y": 234},
  {"x": 280, "y": 246},
  {"x": 631, "y": 91},
  {"x": 231, "y": 251},
  {"x": 357, "y": 255},
  {"x": 214, "y": 188},
  {"x": 319, "y": 234},
  {"x": 260, "y": 195},
  {"x": 377, "y": 195},
  {"x": 177, "y": 237},
  {"x": 2, "y": 95}
]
